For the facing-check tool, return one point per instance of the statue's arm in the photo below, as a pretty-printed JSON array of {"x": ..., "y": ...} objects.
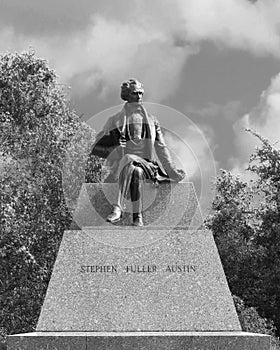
[
  {"x": 102, "y": 147},
  {"x": 164, "y": 155},
  {"x": 106, "y": 141}
]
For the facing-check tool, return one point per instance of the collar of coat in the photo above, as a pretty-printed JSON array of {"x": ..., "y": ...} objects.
[{"x": 118, "y": 121}]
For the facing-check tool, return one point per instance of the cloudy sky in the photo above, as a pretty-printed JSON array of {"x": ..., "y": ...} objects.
[{"x": 214, "y": 64}]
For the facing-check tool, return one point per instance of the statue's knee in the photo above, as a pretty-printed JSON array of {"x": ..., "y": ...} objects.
[
  {"x": 138, "y": 173},
  {"x": 128, "y": 158}
]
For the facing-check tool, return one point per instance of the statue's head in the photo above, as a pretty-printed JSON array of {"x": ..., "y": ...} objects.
[{"x": 132, "y": 91}]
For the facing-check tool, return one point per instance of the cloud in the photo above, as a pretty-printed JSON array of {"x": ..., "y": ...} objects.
[
  {"x": 95, "y": 49},
  {"x": 237, "y": 24},
  {"x": 107, "y": 52},
  {"x": 228, "y": 111},
  {"x": 192, "y": 152},
  {"x": 265, "y": 119}
]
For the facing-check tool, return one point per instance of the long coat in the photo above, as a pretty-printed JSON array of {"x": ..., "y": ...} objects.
[{"x": 107, "y": 143}]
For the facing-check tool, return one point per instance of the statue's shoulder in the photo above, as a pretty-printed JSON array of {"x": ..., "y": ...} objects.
[
  {"x": 152, "y": 118},
  {"x": 112, "y": 121},
  {"x": 113, "y": 118}
]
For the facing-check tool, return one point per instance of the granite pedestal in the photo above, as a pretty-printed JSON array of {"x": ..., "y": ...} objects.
[
  {"x": 167, "y": 205},
  {"x": 121, "y": 287}
]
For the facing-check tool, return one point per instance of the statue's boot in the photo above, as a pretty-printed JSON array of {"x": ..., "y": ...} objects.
[
  {"x": 138, "y": 219},
  {"x": 136, "y": 198},
  {"x": 116, "y": 214}
]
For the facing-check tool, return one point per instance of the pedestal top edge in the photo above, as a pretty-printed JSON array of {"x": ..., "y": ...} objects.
[
  {"x": 190, "y": 183},
  {"x": 141, "y": 334},
  {"x": 144, "y": 228}
]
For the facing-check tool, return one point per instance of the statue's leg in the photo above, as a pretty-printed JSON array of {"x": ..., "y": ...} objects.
[
  {"x": 125, "y": 177},
  {"x": 130, "y": 180},
  {"x": 136, "y": 195}
]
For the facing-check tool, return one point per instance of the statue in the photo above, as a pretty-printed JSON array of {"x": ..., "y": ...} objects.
[{"x": 131, "y": 140}]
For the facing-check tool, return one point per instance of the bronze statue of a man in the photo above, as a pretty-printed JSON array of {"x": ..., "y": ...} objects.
[{"x": 132, "y": 140}]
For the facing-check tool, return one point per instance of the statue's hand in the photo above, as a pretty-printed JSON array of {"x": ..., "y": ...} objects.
[
  {"x": 122, "y": 141},
  {"x": 177, "y": 175}
]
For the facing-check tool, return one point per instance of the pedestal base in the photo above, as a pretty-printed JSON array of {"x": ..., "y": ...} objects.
[
  {"x": 154, "y": 280},
  {"x": 139, "y": 341}
]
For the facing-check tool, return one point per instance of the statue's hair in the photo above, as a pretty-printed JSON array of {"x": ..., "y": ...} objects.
[{"x": 127, "y": 86}]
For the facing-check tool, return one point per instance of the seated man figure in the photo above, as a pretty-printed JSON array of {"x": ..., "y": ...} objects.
[{"x": 140, "y": 139}]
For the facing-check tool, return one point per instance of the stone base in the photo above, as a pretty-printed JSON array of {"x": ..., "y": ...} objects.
[
  {"x": 131, "y": 280},
  {"x": 168, "y": 205},
  {"x": 139, "y": 340}
]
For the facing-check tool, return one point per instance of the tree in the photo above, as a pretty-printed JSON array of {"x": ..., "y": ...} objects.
[
  {"x": 37, "y": 131},
  {"x": 251, "y": 321},
  {"x": 246, "y": 228}
]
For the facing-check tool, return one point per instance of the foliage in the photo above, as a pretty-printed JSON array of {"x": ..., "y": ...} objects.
[
  {"x": 37, "y": 130},
  {"x": 251, "y": 321},
  {"x": 94, "y": 169},
  {"x": 79, "y": 166},
  {"x": 3, "y": 337},
  {"x": 246, "y": 227}
]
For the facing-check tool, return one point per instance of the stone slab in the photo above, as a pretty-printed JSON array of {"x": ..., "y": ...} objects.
[
  {"x": 171, "y": 280},
  {"x": 168, "y": 205},
  {"x": 48, "y": 341},
  {"x": 139, "y": 341}
]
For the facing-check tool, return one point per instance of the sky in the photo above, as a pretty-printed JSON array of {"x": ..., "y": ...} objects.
[{"x": 210, "y": 68}]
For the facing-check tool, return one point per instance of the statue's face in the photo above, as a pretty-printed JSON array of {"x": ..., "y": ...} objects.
[{"x": 135, "y": 94}]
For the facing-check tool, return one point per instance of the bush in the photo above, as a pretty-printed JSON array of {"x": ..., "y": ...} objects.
[
  {"x": 246, "y": 226},
  {"x": 38, "y": 128}
]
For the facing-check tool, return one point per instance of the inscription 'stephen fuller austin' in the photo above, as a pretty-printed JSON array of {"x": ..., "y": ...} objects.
[{"x": 137, "y": 268}]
